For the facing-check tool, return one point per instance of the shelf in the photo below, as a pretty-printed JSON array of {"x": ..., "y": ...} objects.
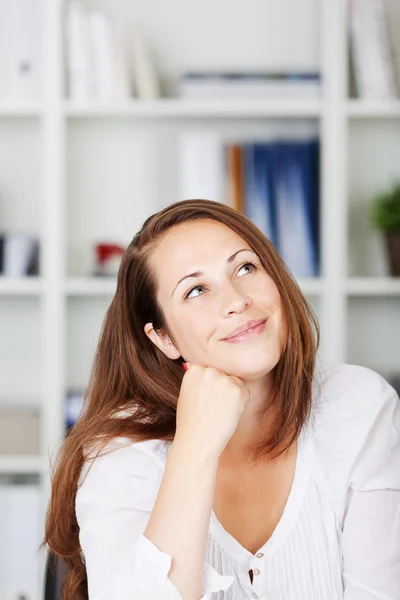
[
  {"x": 20, "y": 286},
  {"x": 90, "y": 286},
  {"x": 311, "y": 286},
  {"x": 12, "y": 465},
  {"x": 374, "y": 110},
  {"x": 373, "y": 286},
  {"x": 15, "y": 110},
  {"x": 175, "y": 108}
]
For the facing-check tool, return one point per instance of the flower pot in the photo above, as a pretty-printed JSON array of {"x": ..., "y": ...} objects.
[{"x": 393, "y": 249}]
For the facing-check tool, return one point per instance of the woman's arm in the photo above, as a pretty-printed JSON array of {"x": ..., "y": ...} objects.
[
  {"x": 114, "y": 507},
  {"x": 180, "y": 519}
]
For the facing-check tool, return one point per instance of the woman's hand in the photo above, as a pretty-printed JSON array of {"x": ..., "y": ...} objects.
[{"x": 209, "y": 408}]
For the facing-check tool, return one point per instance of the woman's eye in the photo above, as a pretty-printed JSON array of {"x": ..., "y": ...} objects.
[
  {"x": 192, "y": 290},
  {"x": 253, "y": 267}
]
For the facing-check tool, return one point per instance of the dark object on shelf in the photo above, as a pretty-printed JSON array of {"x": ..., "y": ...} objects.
[
  {"x": 53, "y": 577},
  {"x": 19, "y": 254},
  {"x": 75, "y": 398},
  {"x": 393, "y": 250}
]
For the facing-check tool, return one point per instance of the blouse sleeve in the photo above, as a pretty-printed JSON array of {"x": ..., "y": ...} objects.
[
  {"x": 371, "y": 518},
  {"x": 115, "y": 497}
]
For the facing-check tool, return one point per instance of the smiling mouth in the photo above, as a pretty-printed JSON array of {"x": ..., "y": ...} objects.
[{"x": 249, "y": 334}]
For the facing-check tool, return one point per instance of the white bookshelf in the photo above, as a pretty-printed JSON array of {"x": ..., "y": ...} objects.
[
  {"x": 89, "y": 286},
  {"x": 373, "y": 286},
  {"x": 373, "y": 110},
  {"x": 16, "y": 286},
  {"x": 96, "y": 171},
  {"x": 179, "y": 109},
  {"x": 10, "y": 111}
]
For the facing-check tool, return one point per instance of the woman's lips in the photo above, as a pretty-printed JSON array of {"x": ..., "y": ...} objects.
[{"x": 247, "y": 335}]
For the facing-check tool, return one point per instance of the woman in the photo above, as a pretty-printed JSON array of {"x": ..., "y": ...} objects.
[{"x": 252, "y": 474}]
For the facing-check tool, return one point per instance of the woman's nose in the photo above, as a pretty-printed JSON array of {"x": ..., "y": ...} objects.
[{"x": 234, "y": 301}]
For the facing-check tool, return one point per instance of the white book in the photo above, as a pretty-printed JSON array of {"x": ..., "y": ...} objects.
[
  {"x": 201, "y": 162},
  {"x": 146, "y": 82},
  {"x": 109, "y": 65},
  {"x": 374, "y": 68},
  {"x": 78, "y": 67},
  {"x": 21, "y": 533},
  {"x": 123, "y": 75},
  {"x": 21, "y": 50}
]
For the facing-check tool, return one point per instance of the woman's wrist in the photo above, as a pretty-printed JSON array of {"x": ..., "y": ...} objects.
[{"x": 197, "y": 451}]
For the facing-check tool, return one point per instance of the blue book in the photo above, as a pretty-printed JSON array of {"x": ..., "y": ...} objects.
[
  {"x": 259, "y": 188},
  {"x": 297, "y": 212}
]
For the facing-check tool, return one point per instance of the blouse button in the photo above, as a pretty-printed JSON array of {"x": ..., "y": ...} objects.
[
  {"x": 260, "y": 554},
  {"x": 256, "y": 571},
  {"x": 254, "y": 595}
]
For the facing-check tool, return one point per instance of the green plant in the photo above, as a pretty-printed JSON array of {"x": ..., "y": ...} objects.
[{"x": 385, "y": 209}]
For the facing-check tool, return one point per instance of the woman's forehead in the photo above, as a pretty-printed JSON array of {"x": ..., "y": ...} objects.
[{"x": 198, "y": 238}]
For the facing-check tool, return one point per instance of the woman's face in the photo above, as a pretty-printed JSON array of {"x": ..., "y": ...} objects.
[{"x": 207, "y": 287}]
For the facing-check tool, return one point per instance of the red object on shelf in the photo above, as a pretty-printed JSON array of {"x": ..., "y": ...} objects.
[{"x": 108, "y": 258}]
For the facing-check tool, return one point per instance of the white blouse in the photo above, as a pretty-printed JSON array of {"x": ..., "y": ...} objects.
[{"x": 339, "y": 535}]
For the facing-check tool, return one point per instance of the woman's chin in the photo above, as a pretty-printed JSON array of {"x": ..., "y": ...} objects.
[{"x": 252, "y": 373}]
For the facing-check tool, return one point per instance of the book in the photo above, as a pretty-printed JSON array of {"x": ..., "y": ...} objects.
[
  {"x": 371, "y": 50},
  {"x": 145, "y": 80},
  {"x": 96, "y": 61},
  {"x": 235, "y": 177},
  {"x": 201, "y": 159},
  {"x": 296, "y": 189},
  {"x": 252, "y": 85},
  {"x": 259, "y": 184},
  {"x": 111, "y": 80},
  {"x": 80, "y": 82}
]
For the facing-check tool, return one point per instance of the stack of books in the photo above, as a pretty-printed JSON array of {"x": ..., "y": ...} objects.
[
  {"x": 292, "y": 85},
  {"x": 103, "y": 61}
]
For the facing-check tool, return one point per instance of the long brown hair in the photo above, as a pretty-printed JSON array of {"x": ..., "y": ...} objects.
[{"x": 129, "y": 371}]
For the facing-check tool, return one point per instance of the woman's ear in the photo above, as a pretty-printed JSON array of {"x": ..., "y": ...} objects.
[{"x": 162, "y": 341}]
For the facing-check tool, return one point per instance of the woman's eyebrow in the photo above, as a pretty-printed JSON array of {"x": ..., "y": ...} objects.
[{"x": 200, "y": 273}]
